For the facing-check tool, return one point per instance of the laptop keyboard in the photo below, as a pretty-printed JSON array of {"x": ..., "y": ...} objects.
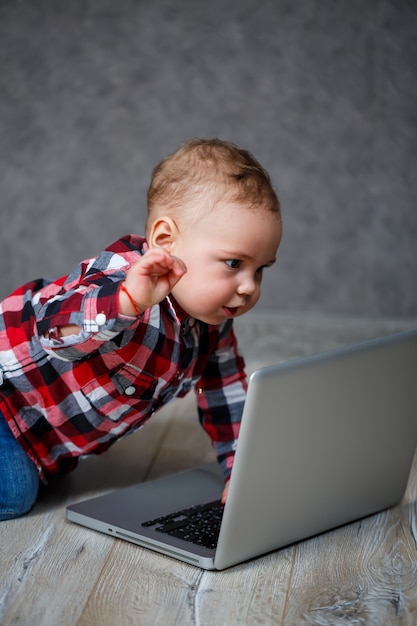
[{"x": 197, "y": 524}]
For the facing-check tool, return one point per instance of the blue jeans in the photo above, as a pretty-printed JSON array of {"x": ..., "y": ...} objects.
[{"x": 19, "y": 478}]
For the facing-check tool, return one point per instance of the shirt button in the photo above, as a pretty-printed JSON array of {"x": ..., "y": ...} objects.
[
  {"x": 191, "y": 322},
  {"x": 129, "y": 391},
  {"x": 101, "y": 319}
]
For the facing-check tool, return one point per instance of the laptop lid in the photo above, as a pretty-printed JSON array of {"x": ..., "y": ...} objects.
[{"x": 324, "y": 440}]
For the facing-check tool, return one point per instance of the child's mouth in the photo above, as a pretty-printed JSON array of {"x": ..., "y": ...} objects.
[{"x": 230, "y": 311}]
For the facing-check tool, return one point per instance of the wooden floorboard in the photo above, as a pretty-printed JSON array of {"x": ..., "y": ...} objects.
[{"x": 56, "y": 573}]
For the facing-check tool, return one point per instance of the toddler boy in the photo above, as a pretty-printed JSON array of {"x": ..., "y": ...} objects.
[{"x": 90, "y": 357}]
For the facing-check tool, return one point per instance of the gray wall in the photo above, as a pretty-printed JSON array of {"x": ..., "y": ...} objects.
[{"x": 323, "y": 92}]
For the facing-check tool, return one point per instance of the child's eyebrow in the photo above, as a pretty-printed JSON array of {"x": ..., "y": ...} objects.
[{"x": 242, "y": 255}]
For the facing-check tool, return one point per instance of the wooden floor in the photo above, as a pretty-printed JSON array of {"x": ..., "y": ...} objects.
[{"x": 54, "y": 573}]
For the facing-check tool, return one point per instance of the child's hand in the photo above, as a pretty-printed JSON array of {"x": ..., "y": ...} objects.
[
  {"x": 151, "y": 279},
  {"x": 225, "y": 492}
]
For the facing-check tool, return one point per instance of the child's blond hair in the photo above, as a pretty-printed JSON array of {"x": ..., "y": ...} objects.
[{"x": 213, "y": 169}]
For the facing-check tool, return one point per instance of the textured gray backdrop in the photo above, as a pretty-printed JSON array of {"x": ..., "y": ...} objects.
[{"x": 323, "y": 92}]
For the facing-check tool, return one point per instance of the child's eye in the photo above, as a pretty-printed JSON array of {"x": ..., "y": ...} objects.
[{"x": 233, "y": 263}]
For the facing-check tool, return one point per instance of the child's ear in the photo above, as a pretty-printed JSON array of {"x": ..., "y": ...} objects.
[{"x": 163, "y": 233}]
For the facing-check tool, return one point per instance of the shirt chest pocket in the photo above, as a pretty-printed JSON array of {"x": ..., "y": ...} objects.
[{"x": 116, "y": 393}]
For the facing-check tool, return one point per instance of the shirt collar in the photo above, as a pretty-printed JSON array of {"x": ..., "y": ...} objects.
[{"x": 175, "y": 309}]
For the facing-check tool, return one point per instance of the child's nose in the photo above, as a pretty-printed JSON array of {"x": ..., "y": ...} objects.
[{"x": 246, "y": 287}]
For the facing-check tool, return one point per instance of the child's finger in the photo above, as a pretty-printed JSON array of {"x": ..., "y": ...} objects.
[
  {"x": 225, "y": 492},
  {"x": 159, "y": 261}
]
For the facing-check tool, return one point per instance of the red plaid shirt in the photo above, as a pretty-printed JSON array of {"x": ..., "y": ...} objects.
[{"x": 73, "y": 396}]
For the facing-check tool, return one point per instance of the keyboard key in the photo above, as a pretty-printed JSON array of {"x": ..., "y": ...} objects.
[{"x": 197, "y": 524}]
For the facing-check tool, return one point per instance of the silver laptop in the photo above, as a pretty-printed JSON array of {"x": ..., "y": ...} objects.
[{"x": 324, "y": 440}]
